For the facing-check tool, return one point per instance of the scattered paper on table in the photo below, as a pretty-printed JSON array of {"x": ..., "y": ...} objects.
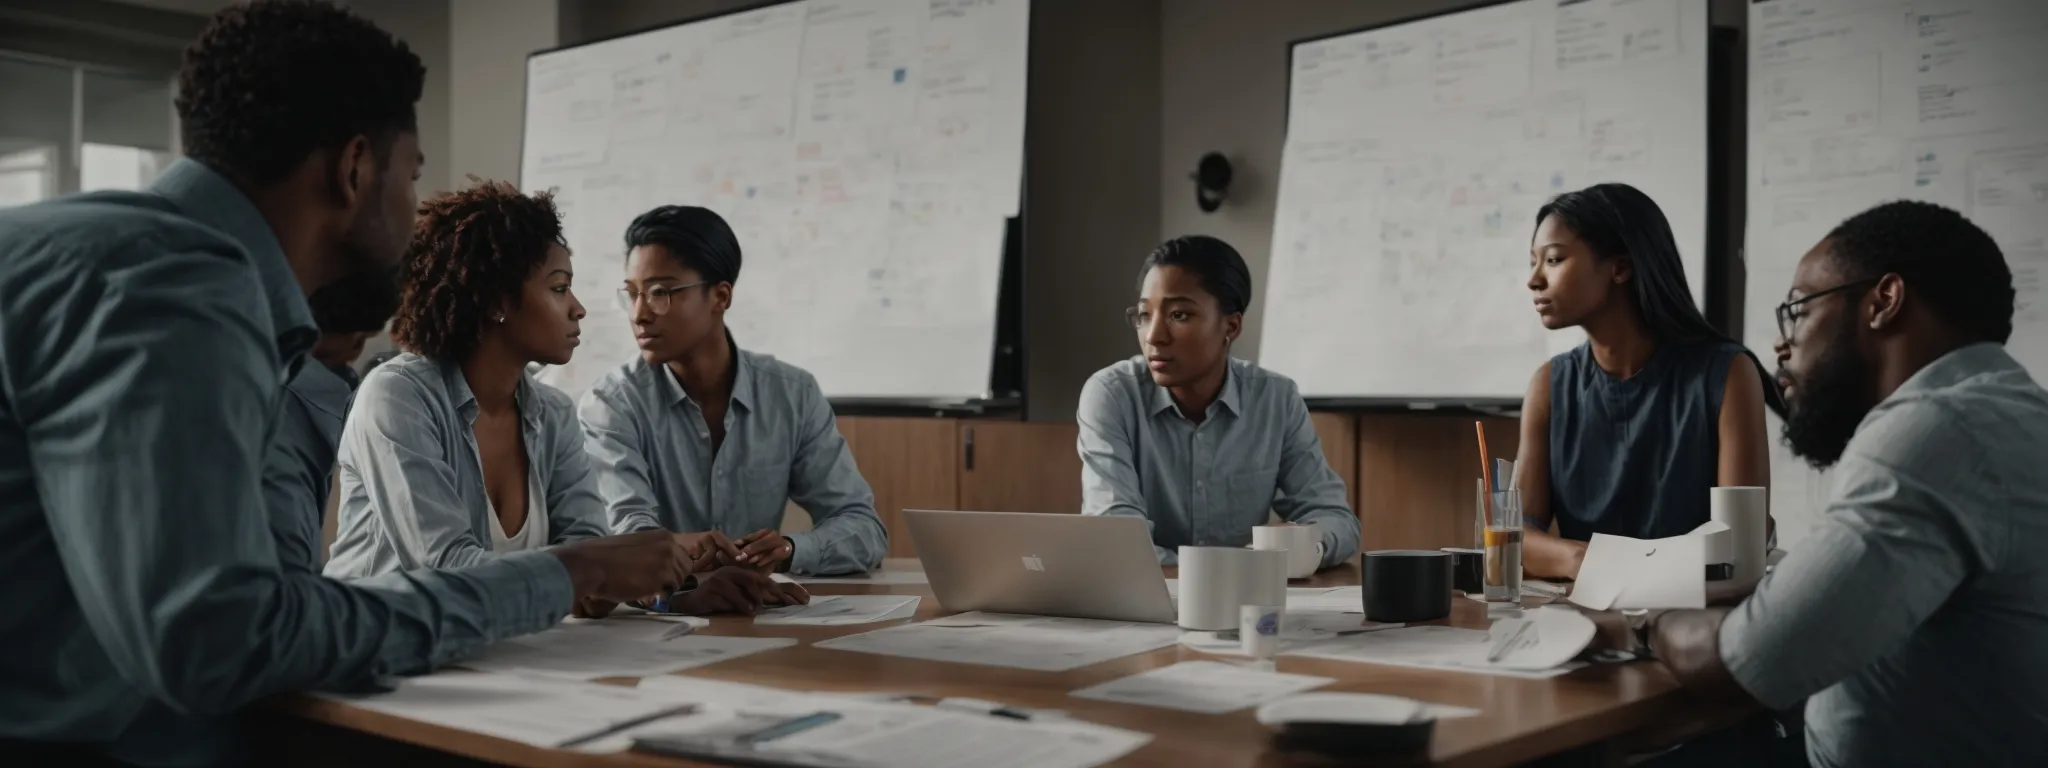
[
  {"x": 875, "y": 577},
  {"x": 839, "y": 610},
  {"x": 1532, "y": 588},
  {"x": 1043, "y": 643},
  {"x": 1208, "y": 687},
  {"x": 1331, "y": 600},
  {"x": 878, "y": 734},
  {"x": 589, "y": 650},
  {"x": 1428, "y": 647},
  {"x": 1624, "y": 573},
  {"x": 536, "y": 711}
]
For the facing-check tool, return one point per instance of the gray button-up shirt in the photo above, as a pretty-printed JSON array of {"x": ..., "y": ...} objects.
[
  {"x": 1255, "y": 452},
  {"x": 1915, "y": 615},
  {"x": 300, "y": 462},
  {"x": 412, "y": 487},
  {"x": 657, "y": 468},
  {"x": 145, "y": 339}
]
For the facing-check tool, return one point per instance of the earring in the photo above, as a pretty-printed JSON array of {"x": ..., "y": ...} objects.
[{"x": 501, "y": 318}]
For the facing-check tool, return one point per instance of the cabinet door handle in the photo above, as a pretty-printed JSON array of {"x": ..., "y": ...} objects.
[{"x": 970, "y": 448}]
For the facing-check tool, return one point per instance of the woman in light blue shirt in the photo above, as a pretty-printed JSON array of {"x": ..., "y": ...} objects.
[
  {"x": 453, "y": 453},
  {"x": 1202, "y": 446},
  {"x": 699, "y": 436}
]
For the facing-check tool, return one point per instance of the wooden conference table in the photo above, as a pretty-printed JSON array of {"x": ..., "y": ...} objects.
[{"x": 1519, "y": 719}]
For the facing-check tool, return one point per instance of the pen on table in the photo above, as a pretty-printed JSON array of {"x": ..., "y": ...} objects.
[
  {"x": 684, "y": 709},
  {"x": 678, "y": 630},
  {"x": 790, "y": 727}
]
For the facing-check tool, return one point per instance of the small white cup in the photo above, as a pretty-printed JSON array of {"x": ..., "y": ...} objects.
[
  {"x": 1300, "y": 543},
  {"x": 1258, "y": 629}
]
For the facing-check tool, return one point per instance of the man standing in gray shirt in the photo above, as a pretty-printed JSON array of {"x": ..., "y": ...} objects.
[
  {"x": 145, "y": 339},
  {"x": 1912, "y": 622}
]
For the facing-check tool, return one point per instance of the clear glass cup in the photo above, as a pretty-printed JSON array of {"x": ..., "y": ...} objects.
[{"x": 1503, "y": 542}]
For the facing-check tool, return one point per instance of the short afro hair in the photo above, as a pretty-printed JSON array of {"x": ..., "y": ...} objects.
[
  {"x": 697, "y": 238},
  {"x": 360, "y": 303},
  {"x": 1218, "y": 266},
  {"x": 270, "y": 82},
  {"x": 471, "y": 250},
  {"x": 1942, "y": 256}
]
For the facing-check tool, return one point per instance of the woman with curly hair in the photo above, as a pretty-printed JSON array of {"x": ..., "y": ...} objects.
[{"x": 452, "y": 453}]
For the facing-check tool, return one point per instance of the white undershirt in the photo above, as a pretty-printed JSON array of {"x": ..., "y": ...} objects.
[{"x": 533, "y": 534}]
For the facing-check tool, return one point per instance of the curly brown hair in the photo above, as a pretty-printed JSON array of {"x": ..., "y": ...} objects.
[{"x": 471, "y": 250}]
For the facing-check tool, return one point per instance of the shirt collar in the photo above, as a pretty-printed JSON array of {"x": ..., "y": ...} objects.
[
  {"x": 323, "y": 388},
  {"x": 1958, "y": 365},
  {"x": 743, "y": 393},
  {"x": 209, "y": 198},
  {"x": 1162, "y": 400},
  {"x": 464, "y": 400}
]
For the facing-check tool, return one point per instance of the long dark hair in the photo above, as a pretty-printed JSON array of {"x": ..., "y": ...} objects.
[{"x": 1616, "y": 219}]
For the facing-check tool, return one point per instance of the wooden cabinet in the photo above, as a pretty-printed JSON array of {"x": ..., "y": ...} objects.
[
  {"x": 1339, "y": 435},
  {"x": 1417, "y": 476},
  {"x": 909, "y": 463},
  {"x": 1019, "y": 466},
  {"x": 1409, "y": 476}
]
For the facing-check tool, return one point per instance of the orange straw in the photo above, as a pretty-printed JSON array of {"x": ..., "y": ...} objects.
[{"x": 1485, "y": 465}]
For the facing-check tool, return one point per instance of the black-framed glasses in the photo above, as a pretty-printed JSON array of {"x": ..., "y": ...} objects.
[
  {"x": 1787, "y": 322},
  {"x": 658, "y": 297}
]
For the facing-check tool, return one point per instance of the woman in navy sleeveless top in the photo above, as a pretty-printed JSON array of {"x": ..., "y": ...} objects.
[{"x": 1625, "y": 434}]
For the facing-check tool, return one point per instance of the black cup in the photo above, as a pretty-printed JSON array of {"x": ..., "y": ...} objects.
[
  {"x": 1407, "y": 585},
  {"x": 1468, "y": 570}
]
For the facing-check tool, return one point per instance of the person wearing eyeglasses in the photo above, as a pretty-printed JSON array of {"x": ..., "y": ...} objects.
[
  {"x": 1908, "y": 627},
  {"x": 1625, "y": 434},
  {"x": 453, "y": 455},
  {"x": 1202, "y": 446},
  {"x": 701, "y": 437}
]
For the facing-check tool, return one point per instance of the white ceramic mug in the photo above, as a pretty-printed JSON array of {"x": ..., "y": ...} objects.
[{"x": 1300, "y": 543}]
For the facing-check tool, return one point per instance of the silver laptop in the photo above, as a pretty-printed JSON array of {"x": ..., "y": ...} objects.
[{"x": 1041, "y": 563}]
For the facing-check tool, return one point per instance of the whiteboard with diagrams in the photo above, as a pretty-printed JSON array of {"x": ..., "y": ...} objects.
[
  {"x": 1416, "y": 157},
  {"x": 1856, "y": 102},
  {"x": 866, "y": 152}
]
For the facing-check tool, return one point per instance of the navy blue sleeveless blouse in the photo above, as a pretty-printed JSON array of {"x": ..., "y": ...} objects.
[{"x": 1635, "y": 457}]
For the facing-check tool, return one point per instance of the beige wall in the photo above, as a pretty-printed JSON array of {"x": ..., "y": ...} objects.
[{"x": 488, "y": 43}]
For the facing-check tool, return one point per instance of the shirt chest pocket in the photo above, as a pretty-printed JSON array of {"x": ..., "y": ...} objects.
[{"x": 1251, "y": 491}]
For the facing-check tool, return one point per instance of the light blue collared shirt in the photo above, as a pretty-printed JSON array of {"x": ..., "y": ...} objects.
[
  {"x": 657, "y": 468},
  {"x": 1255, "y": 452},
  {"x": 1912, "y": 621},
  {"x": 300, "y": 463},
  {"x": 412, "y": 487},
  {"x": 145, "y": 339}
]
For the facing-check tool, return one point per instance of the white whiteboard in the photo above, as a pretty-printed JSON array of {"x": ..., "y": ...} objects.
[
  {"x": 1416, "y": 158},
  {"x": 1856, "y": 102},
  {"x": 866, "y": 152}
]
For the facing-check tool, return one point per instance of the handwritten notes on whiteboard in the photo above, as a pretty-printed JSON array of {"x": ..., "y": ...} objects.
[
  {"x": 1858, "y": 102},
  {"x": 866, "y": 152},
  {"x": 1416, "y": 158}
]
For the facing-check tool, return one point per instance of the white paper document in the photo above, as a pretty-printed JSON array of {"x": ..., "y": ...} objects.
[
  {"x": 1042, "y": 643},
  {"x": 884, "y": 734},
  {"x": 608, "y": 648},
  {"x": 1428, "y": 647},
  {"x": 540, "y": 712},
  {"x": 840, "y": 610},
  {"x": 1623, "y": 573},
  {"x": 1330, "y": 600},
  {"x": 884, "y": 577},
  {"x": 1208, "y": 687}
]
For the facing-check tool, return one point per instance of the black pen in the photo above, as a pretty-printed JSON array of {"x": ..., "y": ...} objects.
[{"x": 685, "y": 709}]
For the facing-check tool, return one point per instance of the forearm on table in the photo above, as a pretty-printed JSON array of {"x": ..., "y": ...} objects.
[{"x": 1689, "y": 644}]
